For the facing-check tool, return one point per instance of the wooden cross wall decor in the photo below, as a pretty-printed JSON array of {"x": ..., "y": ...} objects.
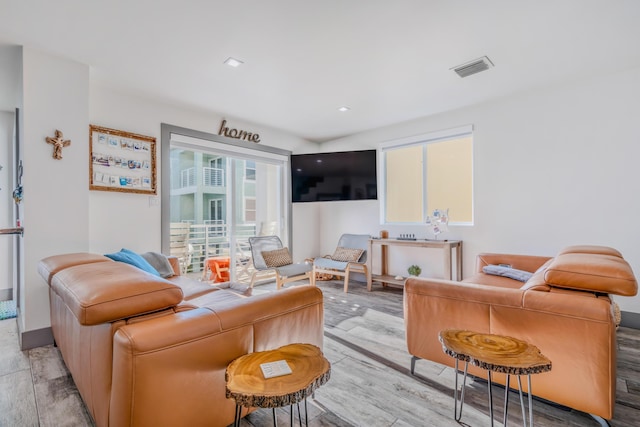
[{"x": 58, "y": 143}]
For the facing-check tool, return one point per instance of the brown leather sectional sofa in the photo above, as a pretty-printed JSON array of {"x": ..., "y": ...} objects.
[
  {"x": 565, "y": 309},
  {"x": 147, "y": 351}
]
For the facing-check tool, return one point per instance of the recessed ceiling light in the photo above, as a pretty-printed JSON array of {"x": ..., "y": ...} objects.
[
  {"x": 344, "y": 108},
  {"x": 232, "y": 62}
]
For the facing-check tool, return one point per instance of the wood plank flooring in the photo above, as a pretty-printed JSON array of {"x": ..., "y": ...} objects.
[{"x": 370, "y": 383}]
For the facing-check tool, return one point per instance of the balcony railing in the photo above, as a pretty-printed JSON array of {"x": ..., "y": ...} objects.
[
  {"x": 211, "y": 177},
  {"x": 188, "y": 177},
  {"x": 201, "y": 241}
]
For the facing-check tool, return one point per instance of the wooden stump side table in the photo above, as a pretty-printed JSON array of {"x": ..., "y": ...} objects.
[
  {"x": 246, "y": 384},
  {"x": 495, "y": 353}
]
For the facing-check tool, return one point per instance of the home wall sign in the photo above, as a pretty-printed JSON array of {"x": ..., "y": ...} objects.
[
  {"x": 121, "y": 161},
  {"x": 237, "y": 133}
]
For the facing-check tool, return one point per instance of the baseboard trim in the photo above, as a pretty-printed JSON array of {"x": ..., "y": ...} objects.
[
  {"x": 35, "y": 338},
  {"x": 630, "y": 320},
  {"x": 6, "y": 294}
]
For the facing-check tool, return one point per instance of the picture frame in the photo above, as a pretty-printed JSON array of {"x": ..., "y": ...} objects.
[{"x": 121, "y": 161}]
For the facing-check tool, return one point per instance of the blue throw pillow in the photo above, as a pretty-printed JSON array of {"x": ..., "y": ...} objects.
[{"x": 129, "y": 257}]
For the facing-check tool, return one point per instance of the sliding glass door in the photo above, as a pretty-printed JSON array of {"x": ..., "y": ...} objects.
[{"x": 220, "y": 194}]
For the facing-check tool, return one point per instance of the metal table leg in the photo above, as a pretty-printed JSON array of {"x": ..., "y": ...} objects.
[
  {"x": 490, "y": 397},
  {"x": 506, "y": 400},
  {"x": 457, "y": 415},
  {"x": 236, "y": 419}
]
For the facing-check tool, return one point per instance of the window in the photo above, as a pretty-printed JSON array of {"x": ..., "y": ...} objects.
[
  {"x": 224, "y": 208},
  {"x": 428, "y": 172},
  {"x": 250, "y": 170},
  {"x": 250, "y": 209},
  {"x": 215, "y": 210}
]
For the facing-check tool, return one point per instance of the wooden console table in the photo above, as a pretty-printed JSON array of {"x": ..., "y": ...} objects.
[{"x": 445, "y": 245}]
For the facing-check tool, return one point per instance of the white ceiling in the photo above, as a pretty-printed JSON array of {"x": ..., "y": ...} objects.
[{"x": 389, "y": 61}]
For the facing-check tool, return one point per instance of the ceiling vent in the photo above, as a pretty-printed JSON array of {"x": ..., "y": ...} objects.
[{"x": 473, "y": 67}]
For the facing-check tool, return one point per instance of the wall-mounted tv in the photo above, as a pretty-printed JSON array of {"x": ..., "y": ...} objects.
[{"x": 345, "y": 175}]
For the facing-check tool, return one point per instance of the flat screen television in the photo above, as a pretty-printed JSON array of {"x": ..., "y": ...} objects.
[{"x": 344, "y": 175}]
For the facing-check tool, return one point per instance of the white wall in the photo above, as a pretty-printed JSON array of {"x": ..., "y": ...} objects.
[
  {"x": 10, "y": 76},
  {"x": 55, "y": 205},
  {"x": 10, "y": 99},
  {"x": 7, "y": 120},
  {"x": 554, "y": 167},
  {"x": 129, "y": 220}
]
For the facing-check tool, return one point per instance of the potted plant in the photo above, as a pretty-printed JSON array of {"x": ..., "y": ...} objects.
[{"x": 414, "y": 270}]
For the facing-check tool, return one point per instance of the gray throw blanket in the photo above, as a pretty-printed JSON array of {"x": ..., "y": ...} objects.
[
  {"x": 160, "y": 263},
  {"x": 509, "y": 272}
]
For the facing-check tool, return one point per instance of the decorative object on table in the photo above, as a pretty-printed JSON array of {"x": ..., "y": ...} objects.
[
  {"x": 438, "y": 222},
  {"x": 121, "y": 161},
  {"x": 399, "y": 278},
  {"x": 384, "y": 234},
  {"x": 407, "y": 236},
  {"x": 414, "y": 270},
  {"x": 58, "y": 143}
]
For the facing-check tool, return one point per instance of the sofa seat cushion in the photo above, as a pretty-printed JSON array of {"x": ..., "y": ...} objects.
[
  {"x": 191, "y": 288},
  {"x": 593, "y": 272},
  {"x": 117, "y": 291},
  {"x": 220, "y": 298},
  {"x": 491, "y": 280}
]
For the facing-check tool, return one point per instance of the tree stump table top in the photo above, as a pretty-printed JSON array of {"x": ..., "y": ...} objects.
[
  {"x": 496, "y": 353},
  {"x": 247, "y": 385}
]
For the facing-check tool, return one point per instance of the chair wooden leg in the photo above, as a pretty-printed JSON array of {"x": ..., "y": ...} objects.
[
  {"x": 312, "y": 278},
  {"x": 279, "y": 281},
  {"x": 346, "y": 280},
  {"x": 368, "y": 276},
  {"x": 205, "y": 270}
]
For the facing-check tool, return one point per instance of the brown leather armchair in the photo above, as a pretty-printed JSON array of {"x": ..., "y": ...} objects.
[{"x": 565, "y": 309}]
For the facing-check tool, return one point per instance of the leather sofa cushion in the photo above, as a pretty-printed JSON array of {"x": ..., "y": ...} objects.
[
  {"x": 117, "y": 291},
  {"x": 590, "y": 249},
  {"x": 594, "y": 272},
  {"x": 491, "y": 280},
  {"x": 49, "y": 266},
  {"x": 191, "y": 288}
]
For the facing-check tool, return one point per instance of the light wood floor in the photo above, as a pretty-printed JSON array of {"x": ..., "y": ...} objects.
[{"x": 370, "y": 381}]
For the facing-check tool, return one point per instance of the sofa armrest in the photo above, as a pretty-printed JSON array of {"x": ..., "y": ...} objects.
[
  {"x": 432, "y": 305},
  {"x": 521, "y": 262}
]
